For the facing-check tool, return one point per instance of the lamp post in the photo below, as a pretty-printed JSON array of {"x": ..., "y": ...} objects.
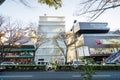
[{"x": 75, "y": 40}]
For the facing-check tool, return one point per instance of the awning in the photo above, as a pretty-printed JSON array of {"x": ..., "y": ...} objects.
[{"x": 19, "y": 57}]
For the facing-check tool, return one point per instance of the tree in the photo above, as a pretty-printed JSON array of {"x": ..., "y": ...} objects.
[
  {"x": 51, "y": 3},
  {"x": 117, "y": 31},
  {"x": 94, "y": 8},
  {"x": 13, "y": 36},
  {"x": 37, "y": 36},
  {"x": 88, "y": 70},
  {"x": 57, "y": 40},
  {"x": 55, "y": 3},
  {"x": 66, "y": 39}
]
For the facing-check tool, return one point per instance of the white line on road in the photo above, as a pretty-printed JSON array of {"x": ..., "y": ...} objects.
[
  {"x": 93, "y": 75},
  {"x": 76, "y": 76},
  {"x": 101, "y": 75},
  {"x": 17, "y": 76}
]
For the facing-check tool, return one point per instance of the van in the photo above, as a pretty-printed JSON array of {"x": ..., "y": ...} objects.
[
  {"x": 48, "y": 64},
  {"x": 76, "y": 63}
]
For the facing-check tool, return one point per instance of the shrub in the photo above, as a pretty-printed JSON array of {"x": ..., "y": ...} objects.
[{"x": 25, "y": 67}]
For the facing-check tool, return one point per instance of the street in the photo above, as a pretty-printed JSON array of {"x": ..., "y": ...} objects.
[{"x": 56, "y": 76}]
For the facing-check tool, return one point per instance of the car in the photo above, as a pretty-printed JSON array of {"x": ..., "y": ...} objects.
[
  {"x": 2, "y": 68},
  {"x": 8, "y": 65},
  {"x": 76, "y": 63},
  {"x": 46, "y": 63},
  {"x": 49, "y": 66},
  {"x": 97, "y": 62}
]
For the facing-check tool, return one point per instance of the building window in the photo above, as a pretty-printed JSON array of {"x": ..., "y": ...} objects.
[{"x": 102, "y": 50}]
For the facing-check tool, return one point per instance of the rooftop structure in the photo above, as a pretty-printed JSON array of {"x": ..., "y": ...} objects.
[{"x": 91, "y": 27}]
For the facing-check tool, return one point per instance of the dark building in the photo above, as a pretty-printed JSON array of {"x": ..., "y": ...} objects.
[{"x": 91, "y": 28}]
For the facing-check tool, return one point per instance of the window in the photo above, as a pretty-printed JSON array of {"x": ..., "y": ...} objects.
[{"x": 102, "y": 50}]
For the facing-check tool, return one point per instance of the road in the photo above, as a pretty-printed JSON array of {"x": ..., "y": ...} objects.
[{"x": 56, "y": 76}]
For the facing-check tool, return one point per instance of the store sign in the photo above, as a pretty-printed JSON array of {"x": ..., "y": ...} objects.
[{"x": 98, "y": 42}]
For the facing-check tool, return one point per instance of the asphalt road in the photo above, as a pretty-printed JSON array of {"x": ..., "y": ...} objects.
[{"x": 56, "y": 76}]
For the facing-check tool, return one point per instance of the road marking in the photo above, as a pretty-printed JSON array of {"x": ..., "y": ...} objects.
[
  {"x": 17, "y": 76},
  {"x": 101, "y": 75},
  {"x": 93, "y": 75},
  {"x": 76, "y": 76}
]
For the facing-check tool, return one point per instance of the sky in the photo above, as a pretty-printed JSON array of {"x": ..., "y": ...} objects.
[{"x": 16, "y": 10}]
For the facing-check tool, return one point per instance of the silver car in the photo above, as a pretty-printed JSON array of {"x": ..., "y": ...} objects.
[{"x": 8, "y": 65}]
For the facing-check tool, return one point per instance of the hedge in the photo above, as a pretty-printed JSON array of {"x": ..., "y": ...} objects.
[
  {"x": 94, "y": 67},
  {"x": 33, "y": 67},
  {"x": 25, "y": 67}
]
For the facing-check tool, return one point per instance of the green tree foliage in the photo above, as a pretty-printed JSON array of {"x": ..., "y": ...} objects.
[
  {"x": 51, "y": 3},
  {"x": 88, "y": 69},
  {"x": 56, "y": 3}
]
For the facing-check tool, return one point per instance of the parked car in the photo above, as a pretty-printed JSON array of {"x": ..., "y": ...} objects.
[
  {"x": 2, "y": 68},
  {"x": 8, "y": 64},
  {"x": 48, "y": 64},
  {"x": 76, "y": 63},
  {"x": 97, "y": 62}
]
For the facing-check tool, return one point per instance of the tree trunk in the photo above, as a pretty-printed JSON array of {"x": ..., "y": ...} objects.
[{"x": 66, "y": 61}]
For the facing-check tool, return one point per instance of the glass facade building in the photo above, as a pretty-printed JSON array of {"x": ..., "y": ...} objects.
[
  {"x": 95, "y": 40},
  {"x": 50, "y": 26}
]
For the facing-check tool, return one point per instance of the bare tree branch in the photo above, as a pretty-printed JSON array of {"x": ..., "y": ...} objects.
[{"x": 94, "y": 8}]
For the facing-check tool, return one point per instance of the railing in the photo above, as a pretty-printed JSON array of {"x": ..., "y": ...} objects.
[{"x": 112, "y": 58}]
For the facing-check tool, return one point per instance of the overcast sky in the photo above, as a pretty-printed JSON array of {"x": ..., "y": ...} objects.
[{"x": 18, "y": 11}]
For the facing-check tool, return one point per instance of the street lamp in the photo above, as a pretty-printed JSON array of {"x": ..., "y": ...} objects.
[{"x": 75, "y": 40}]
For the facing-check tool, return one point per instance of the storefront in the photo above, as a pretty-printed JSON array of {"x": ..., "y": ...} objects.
[
  {"x": 21, "y": 55},
  {"x": 95, "y": 40}
]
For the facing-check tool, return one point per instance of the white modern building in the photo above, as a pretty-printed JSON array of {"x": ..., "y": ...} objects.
[{"x": 50, "y": 26}]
